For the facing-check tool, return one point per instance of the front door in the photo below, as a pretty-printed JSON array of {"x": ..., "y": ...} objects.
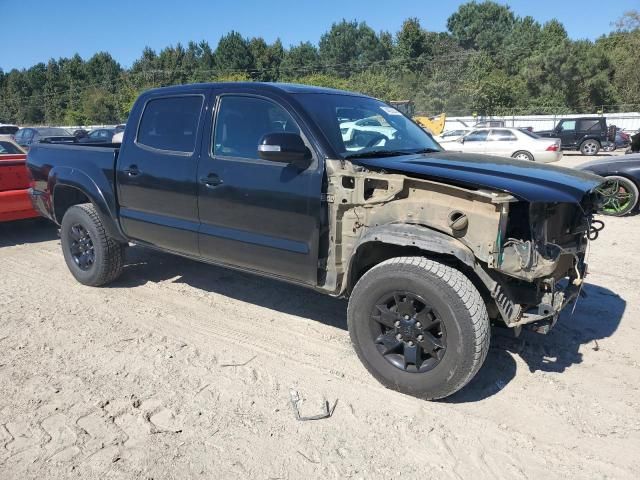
[
  {"x": 474, "y": 142},
  {"x": 257, "y": 214},
  {"x": 156, "y": 173},
  {"x": 567, "y": 133}
]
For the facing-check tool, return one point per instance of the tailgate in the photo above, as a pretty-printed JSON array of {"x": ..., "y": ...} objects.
[{"x": 13, "y": 173}]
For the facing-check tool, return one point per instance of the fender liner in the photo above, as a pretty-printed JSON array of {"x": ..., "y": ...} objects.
[
  {"x": 434, "y": 241},
  {"x": 408, "y": 235},
  {"x": 72, "y": 177}
]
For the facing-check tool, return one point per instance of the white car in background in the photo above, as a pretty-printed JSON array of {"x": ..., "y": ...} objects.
[
  {"x": 366, "y": 130},
  {"x": 508, "y": 142},
  {"x": 117, "y": 138},
  {"x": 451, "y": 135}
]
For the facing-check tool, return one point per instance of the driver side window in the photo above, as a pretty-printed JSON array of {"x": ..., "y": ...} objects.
[
  {"x": 567, "y": 125},
  {"x": 477, "y": 136},
  {"x": 242, "y": 121}
]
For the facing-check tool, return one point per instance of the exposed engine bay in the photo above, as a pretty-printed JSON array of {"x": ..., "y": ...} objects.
[{"x": 530, "y": 257}]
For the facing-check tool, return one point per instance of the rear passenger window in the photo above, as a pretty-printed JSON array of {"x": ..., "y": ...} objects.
[
  {"x": 588, "y": 125},
  {"x": 171, "y": 123},
  {"x": 502, "y": 136}
]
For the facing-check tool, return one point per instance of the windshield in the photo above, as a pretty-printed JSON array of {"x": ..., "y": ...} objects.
[
  {"x": 359, "y": 126},
  {"x": 9, "y": 148},
  {"x": 53, "y": 132}
]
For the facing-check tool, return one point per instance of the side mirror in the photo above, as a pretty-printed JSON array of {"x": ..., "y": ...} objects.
[
  {"x": 284, "y": 148},
  {"x": 460, "y": 140}
]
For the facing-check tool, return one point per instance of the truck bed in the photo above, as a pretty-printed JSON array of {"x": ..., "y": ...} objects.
[{"x": 92, "y": 161}]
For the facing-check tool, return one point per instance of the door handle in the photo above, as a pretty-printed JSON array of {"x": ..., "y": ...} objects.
[
  {"x": 132, "y": 171},
  {"x": 211, "y": 181}
]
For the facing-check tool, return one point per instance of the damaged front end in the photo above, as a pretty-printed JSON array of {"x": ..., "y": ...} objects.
[
  {"x": 528, "y": 253},
  {"x": 539, "y": 265}
]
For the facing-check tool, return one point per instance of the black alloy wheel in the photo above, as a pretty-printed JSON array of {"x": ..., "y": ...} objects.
[
  {"x": 81, "y": 246},
  {"x": 408, "y": 332}
]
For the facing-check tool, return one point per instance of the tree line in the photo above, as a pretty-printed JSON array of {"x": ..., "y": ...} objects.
[{"x": 488, "y": 62}]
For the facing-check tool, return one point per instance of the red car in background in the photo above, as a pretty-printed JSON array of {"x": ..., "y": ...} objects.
[{"x": 15, "y": 203}]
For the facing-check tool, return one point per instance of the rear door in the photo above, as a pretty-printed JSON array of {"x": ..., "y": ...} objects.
[
  {"x": 501, "y": 142},
  {"x": 257, "y": 214},
  {"x": 156, "y": 172},
  {"x": 591, "y": 127}
]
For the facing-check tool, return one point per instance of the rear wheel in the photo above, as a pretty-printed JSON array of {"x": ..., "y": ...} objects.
[
  {"x": 590, "y": 147},
  {"x": 620, "y": 196},
  {"x": 523, "y": 155},
  {"x": 92, "y": 256},
  {"x": 420, "y": 327}
]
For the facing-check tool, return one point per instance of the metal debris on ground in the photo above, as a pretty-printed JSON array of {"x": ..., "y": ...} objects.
[
  {"x": 239, "y": 364},
  {"x": 296, "y": 400}
]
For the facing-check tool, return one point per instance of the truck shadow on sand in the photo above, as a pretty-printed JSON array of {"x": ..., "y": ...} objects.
[
  {"x": 143, "y": 266},
  {"x": 595, "y": 317},
  {"x": 33, "y": 230}
]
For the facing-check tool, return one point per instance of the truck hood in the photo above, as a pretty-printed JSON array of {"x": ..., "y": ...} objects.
[{"x": 526, "y": 180}]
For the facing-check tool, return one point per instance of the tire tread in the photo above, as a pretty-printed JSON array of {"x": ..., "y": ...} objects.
[{"x": 467, "y": 293}]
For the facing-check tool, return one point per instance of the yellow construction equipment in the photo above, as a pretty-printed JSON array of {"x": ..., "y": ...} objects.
[{"x": 435, "y": 125}]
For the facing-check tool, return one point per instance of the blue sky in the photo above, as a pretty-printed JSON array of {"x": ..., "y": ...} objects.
[{"x": 39, "y": 30}]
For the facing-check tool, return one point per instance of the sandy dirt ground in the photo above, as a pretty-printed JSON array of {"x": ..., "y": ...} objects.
[{"x": 182, "y": 370}]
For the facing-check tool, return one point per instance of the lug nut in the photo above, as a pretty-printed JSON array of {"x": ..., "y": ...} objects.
[
  {"x": 406, "y": 317},
  {"x": 399, "y": 337},
  {"x": 397, "y": 323},
  {"x": 418, "y": 325},
  {"x": 411, "y": 343},
  {"x": 420, "y": 338}
]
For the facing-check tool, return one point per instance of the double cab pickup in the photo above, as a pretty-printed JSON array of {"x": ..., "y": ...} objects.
[{"x": 430, "y": 247}]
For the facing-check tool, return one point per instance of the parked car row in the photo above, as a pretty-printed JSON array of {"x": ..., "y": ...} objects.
[
  {"x": 588, "y": 135},
  {"x": 25, "y": 137},
  {"x": 507, "y": 142}
]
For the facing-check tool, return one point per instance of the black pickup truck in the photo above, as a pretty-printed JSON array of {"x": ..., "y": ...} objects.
[{"x": 286, "y": 181}]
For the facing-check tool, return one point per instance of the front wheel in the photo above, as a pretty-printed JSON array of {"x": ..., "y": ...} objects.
[
  {"x": 92, "y": 256},
  {"x": 419, "y": 326},
  {"x": 589, "y": 147}
]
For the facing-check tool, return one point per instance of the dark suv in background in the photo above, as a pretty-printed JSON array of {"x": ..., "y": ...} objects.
[{"x": 587, "y": 134}]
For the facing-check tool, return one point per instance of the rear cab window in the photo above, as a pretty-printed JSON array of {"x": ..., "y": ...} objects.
[{"x": 170, "y": 123}]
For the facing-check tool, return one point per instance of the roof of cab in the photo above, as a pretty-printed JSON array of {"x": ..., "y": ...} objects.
[{"x": 291, "y": 88}]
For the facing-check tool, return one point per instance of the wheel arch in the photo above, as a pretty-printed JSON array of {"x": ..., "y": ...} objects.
[
  {"x": 397, "y": 240},
  {"x": 71, "y": 187},
  {"x": 586, "y": 138}
]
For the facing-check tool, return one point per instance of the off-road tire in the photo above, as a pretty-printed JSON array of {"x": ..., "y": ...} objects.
[
  {"x": 523, "y": 155},
  {"x": 108, "y": 253},
  {"x": 461, "y": 309},
  {"x": 590, "y": 147}
]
